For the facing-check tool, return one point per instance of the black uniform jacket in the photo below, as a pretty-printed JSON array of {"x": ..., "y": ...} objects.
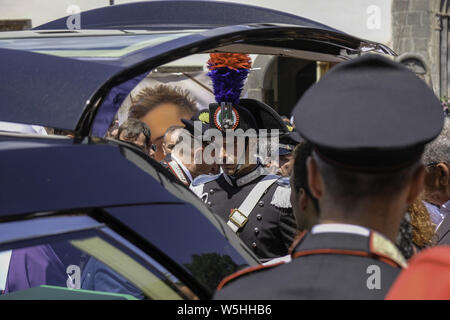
[
  {"x": 271, "y": 226},
  {"x": 323, "y": 266}
]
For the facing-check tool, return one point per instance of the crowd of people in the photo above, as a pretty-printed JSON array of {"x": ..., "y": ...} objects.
[{"x": 349, "y": 195}]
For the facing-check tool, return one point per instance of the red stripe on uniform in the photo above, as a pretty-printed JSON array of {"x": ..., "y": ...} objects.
[{"x": 245, "y": 271}]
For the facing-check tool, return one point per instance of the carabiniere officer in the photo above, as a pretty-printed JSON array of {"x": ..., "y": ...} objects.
[
  {"x": 255, "y": 205},
  {"x": 368, "y": 121}
]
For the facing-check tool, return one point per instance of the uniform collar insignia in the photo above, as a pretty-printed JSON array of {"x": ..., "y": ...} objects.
[{"x": 249, "y": 177}]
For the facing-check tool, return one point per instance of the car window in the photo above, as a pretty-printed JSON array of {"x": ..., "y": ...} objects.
[
  {"x": 84, "y": 265},
  {"x": 187, "y": 236},
  {"x": 90, "y": 46}
]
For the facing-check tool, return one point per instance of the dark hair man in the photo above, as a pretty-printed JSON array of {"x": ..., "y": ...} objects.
[
  {"x": 185, "y": 160},
  {"x": 161, "y": 107},
  {"x": 362, "y": 118},
  {"x": 304, "y": 204},
  {"x": 437, "y": 182},
  {"x": 170, "y": 139},
  {"x": 256, "y": 206},
  {"x": 286, "y": 154},
  {"x": 137, "y": 133}
]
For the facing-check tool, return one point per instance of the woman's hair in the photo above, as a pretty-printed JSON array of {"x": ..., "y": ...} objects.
[{"x": 423, "y": 230}]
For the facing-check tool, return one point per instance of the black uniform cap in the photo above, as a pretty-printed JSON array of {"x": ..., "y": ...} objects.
[
  {"x": 203, "y": 117},
  {"x": 241, "y": 118},
  {"x": 369, "y": 113}
]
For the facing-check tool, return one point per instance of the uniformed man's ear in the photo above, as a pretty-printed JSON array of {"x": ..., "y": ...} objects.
[
  {"x": 416, "y": 184},
  {"x": 314, "y": 179}
]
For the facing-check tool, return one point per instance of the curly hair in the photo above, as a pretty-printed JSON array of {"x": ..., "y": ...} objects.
[
  {"x": 423, "y": 230},
  {"x": 439, "y": 149}
]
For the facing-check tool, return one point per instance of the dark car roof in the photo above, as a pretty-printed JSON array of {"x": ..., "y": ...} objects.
[
  {"x": 180, "y": 15},
  {"x": 47, "y": 90}
]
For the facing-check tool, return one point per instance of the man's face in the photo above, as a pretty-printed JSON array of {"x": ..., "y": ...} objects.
[
  {"x": 305, "y": 212},
  {"x": 140, "y": 142},
  {"x": 286, "y": 165},
  {"x": 198, "y": 166},
  {"x": 159, "y": 120},
  {"x": 230, "y": 156},
  {"x": 169, "y": 142}
]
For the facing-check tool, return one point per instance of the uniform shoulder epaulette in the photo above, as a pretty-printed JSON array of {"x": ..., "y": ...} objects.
[
  {"x": 204, "y": 178},
  {"x": 382, "y": 247},
  {"x": 284, "y": 182},
  {"x": 282, "y": 195},
  {"x": 247, "y": 271}
]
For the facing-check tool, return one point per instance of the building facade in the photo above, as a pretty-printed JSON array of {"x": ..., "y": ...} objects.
[{"x": 420, "y": 37}]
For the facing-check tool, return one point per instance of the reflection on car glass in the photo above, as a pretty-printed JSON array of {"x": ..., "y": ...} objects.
[
  {"x": 211, "y": 268},
  {"x": 93, "y": 46},
  {"x": 126, "y": 266},
  {"x": 91, "y": 266}
]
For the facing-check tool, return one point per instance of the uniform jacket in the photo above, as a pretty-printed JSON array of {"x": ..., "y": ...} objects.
[
  {"x": 323, "y": 266},
  {"x": 271, "y": 226},
  {"x": 443, "y": 232},
  {"x": 175, "y": 168},
  {"x": 34, "y": 266}
]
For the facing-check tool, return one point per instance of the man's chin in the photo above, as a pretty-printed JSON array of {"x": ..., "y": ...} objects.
[{"x": 228, "y": 169}]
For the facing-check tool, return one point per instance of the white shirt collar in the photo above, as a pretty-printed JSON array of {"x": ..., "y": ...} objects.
[
  {"x": 185, "y": 170},
  {"x": 340, "y": 228},
  {"x": 246, "y": 178}
]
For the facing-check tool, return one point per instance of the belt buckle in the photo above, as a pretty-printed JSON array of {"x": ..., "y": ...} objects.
[{"x": 238, "y": 218}]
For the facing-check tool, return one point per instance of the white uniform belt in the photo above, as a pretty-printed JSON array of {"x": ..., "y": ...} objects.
[{"x": 238, "y": 217}]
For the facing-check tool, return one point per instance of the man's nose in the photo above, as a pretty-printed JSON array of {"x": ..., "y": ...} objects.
[{"x": 226, "y": 158}]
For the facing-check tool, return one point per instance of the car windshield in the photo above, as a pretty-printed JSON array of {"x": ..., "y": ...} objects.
[{"x": 91, "y": 45}]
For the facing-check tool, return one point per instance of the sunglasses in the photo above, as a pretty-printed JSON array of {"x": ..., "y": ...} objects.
[{"x": 432, "y": 164}]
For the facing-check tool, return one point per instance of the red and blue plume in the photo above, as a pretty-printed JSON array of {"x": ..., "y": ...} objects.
[{"x": 228, "y": 72}]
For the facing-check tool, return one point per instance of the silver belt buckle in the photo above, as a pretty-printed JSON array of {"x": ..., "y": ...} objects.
[{"x": 238, "y": 218}]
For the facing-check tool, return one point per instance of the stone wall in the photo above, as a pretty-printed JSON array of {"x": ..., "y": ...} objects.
[
  {"x": 13, "y": 25},
  {"x": 416, "y": 30}
]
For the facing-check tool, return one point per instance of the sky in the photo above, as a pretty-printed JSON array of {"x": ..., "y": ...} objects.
[{"x": 369, "y": 19}]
